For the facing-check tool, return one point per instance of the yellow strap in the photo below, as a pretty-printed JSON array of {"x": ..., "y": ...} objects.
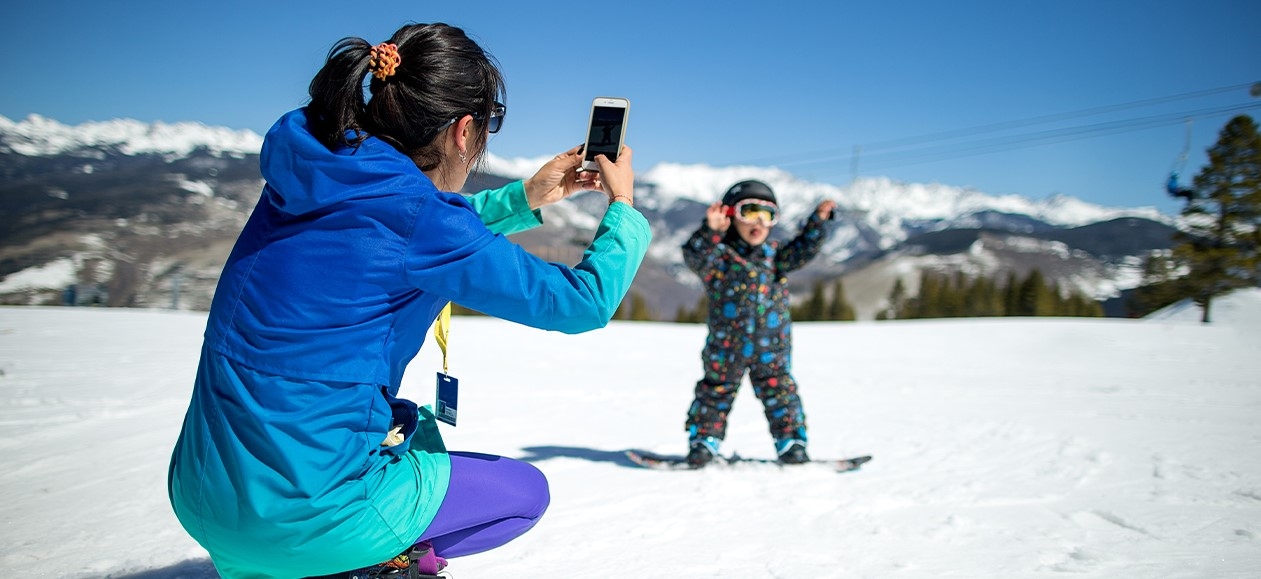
[{"x": 440, "y": 332}]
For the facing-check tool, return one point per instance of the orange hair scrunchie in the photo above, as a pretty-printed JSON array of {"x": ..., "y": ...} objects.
[{"x": 383, "y": 60}]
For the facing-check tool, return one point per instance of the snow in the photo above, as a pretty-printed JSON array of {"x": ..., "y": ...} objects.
[
  {"x": 1241, "y": 308},
  {"x": 55, "y": 274},
  {"x": 1004, "y": 448},
  {"x": 199, "y": 187},
  {"x": 37, "y": 135},
  {"x": 513, "y": 168},
  {"x": 887, "y": 202},
  {"x": 882, "y": 200}
]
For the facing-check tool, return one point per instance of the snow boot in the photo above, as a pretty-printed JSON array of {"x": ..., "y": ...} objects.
[
  {"x": 792, "y": 452},
  {"x": 419, "y": 562},
  {"x": 702, "y": 451},
  {"x": 427, "y": 562}
]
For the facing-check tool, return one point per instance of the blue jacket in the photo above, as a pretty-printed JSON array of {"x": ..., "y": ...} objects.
[{"x": 329, "y": 292}]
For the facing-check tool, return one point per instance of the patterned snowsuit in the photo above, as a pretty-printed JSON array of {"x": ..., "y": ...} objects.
[{"x": 750, "y": 328}]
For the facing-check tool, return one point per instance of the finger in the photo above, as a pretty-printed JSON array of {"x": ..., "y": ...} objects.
[
  {"x": 604, "y": 163},
  {"x": 624, "y": 157},
  {"x": 588, "y": 179},
  {"x": 569, "y": 159}
]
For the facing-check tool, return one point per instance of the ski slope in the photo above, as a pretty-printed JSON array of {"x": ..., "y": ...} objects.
[{"x": 1004, "y": 448}]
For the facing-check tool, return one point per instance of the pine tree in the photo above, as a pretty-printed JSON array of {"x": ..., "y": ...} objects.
[
  {"x": 1011, "y": 295},
  {"x": 1031, "y": 297},
  {"x": 951, "y": 300},
  {"x": 1054, "y": 303},
  {"x": 814, "y": 308},
  {"x": 928, "y": 303},
  {"x": 698, "y": 314},
  {"x": 897, "y": 301},
  {"x": 1162, "y": 285},
  {"x": 1082, "y": 306},
  {"x": 639, "y": 310},
  {"x": 1223, "y": 214},
  {"x": 839, "y": 309},
  {"x": 960, "y": 296},
  {"x": 990, "y": 299}
]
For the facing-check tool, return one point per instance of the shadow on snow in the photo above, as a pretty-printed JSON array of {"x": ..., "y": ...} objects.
[
  {"x": 204, "y": 569},
  {"x": 539, "y": 453},
  {"x": 192, "y": 569}
]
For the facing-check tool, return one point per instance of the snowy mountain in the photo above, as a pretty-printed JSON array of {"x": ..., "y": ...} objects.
[
  {"x": 136, "y": 214},
  {"x": 38, "y": 136}
]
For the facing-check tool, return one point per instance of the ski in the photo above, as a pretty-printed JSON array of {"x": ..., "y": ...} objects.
[{"x": 674, "y": 462}]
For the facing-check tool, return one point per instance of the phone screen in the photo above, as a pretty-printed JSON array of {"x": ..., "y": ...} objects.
[{"x": 606, "y": 132}]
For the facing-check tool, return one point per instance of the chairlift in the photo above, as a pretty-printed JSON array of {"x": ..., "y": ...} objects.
[{"x": 1172, "y": 185}]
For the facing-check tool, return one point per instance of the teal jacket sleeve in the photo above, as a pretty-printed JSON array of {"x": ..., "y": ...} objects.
[
  {"x": 451, "y": 254},
  {"x": 505, "y": 210}
]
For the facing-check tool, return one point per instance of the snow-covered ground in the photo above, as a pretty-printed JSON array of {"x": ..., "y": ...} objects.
[{"x": 1004, "y": 448}]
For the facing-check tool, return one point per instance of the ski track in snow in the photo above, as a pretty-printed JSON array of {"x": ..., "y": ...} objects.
[{"x": 1003, "y": 448}]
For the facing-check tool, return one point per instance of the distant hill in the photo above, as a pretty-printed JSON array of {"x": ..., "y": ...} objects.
[{"x": 132, "y": 214}]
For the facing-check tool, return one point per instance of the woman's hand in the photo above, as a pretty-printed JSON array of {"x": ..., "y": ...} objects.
[
  {"x": 825, "y": 209},
  {"x": 558, "y": 179},
  {"x": 617, "y": 180},
  {"x": 716, "y": 217}
]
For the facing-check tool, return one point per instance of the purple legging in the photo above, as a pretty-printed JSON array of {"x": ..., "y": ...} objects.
[{"x": 491, "y": 500}]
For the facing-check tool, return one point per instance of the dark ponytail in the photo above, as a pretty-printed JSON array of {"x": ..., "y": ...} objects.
[
  {"x": 443, "y": 75},
  {"x": 337, "y": 94}
]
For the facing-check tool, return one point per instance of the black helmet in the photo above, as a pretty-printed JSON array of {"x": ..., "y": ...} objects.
[{"x": 748, "y": 190}]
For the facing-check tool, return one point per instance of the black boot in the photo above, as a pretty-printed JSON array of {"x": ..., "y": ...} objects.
[
  {"x": 796, "y": 454},
  {"x": 699, "y": 456}
]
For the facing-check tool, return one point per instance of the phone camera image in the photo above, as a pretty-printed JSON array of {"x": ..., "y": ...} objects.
[{"x": 606, "y": 132}]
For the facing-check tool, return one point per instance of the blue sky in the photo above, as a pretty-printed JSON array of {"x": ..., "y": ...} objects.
[{"x": 987, "y": 94}]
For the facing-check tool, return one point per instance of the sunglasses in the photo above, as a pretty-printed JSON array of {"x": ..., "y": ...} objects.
[
  {"x": 496, "y": 118},
  {"x": 753, "y": 210}
]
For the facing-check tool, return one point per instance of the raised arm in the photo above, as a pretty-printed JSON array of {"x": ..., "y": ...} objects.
[
  {"x": 803, "y": 248},
  {"x": 700, "y": 249}
]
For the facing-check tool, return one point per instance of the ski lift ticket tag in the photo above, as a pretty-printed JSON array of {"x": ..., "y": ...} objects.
[{"x": 446, "y": 399}]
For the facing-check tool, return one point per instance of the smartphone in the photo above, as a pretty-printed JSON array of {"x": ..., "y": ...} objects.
[{"x": 605, "y": 131}]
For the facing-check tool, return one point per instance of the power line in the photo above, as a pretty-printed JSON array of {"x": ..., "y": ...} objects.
[
  {"x": 840, "y": 154},
  {"x": 994, "y": 144},
  {"x": 1001, "y": 126}
]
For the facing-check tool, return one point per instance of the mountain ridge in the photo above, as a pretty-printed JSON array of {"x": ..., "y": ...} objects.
[{"x": 123, "y": 179}]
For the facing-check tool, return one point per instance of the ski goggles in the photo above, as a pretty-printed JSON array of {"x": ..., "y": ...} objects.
[{"x": 753, "y": 210}]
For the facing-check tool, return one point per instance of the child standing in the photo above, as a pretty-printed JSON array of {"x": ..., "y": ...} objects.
[{"x": 745, "y": 279}]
